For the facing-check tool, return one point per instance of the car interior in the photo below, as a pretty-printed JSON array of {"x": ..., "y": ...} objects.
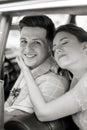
[{"x": 11, "y": 11}]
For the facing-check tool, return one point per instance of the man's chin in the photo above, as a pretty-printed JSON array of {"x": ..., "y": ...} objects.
[
  {"x": 29, "y": 65},
  {"x": 32, "y": 64}
]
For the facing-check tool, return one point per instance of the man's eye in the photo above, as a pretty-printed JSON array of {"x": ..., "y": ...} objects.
[
  {"x": 37, "y": 42},
  {"x": 23, "y": 43}
]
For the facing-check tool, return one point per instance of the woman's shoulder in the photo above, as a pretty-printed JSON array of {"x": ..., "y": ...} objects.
[{"x": 79, "y": 92}]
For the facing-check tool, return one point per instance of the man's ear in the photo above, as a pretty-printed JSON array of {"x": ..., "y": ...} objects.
[{"x": 84, "y": 47}]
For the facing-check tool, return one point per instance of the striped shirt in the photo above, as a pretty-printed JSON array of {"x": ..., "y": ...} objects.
[{"x": 50, "y": 83}]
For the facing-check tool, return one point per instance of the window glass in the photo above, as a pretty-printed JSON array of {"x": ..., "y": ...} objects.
[
  {"x": 14, "y": 34},
  {"x": 81, "y": 20},
  {"x": 13, "y": 39},
  {"x": 59, "y": 19}
]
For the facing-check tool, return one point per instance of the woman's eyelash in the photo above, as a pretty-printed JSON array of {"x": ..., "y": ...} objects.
[
  {"x": 54, "y": 45},
  {"x": 64, "y": 43}
]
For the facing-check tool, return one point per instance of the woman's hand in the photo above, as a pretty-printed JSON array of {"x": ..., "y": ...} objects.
[{"x": 21, "y": 64}]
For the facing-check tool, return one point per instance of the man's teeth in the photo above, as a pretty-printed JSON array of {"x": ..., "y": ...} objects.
[{"x": 30, "y": 56}]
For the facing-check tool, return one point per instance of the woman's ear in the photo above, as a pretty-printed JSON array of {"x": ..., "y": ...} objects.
[{"x": 84, "y": 47}]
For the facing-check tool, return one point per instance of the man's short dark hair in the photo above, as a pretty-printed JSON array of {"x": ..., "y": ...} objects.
[{"x": 42, "y": 21}]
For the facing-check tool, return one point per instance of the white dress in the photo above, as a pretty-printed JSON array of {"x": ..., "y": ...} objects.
[{"x": 79, "y": 92}]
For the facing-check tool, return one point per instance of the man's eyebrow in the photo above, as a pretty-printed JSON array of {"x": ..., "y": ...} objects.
[
  {"x": 63, "y": 38},
  {"x": 35, "y": 39},
  {"x": 22, "y": 38},
  {"x": 38, "y": 39}
]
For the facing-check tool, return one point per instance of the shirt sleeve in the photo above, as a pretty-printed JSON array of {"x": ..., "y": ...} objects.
[
  {"x": 53, "y": 86},
  {"x": 17, "y": 83},
  {"x": 79, "y": 92}
]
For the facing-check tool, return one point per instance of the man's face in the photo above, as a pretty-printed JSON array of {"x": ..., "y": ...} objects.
[
  {"x": 67, "y": 50},
  {"x": 33, "y": 45}
]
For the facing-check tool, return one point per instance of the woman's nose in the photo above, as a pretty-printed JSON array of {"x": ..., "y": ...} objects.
[
  {"x": 57, "y": 48},
  {"x": 59, "y": 51}
]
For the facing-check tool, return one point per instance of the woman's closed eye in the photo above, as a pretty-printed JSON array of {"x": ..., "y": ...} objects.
[{"x": 63, "y": 43}]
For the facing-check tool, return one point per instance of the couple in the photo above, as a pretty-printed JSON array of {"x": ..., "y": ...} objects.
[{"x": 39, "y": 69}]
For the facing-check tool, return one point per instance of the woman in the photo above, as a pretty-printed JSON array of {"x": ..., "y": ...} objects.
[{"x": 70, "y": 50}]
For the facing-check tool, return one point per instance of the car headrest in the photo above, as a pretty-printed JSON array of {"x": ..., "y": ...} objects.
[{"x": 30, "y": 122}]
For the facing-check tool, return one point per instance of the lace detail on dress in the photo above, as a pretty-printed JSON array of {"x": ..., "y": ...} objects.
[{"x": 80, "y": 92}]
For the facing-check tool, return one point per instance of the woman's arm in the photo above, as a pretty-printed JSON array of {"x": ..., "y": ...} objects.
[{"x": 61, "y": 107}]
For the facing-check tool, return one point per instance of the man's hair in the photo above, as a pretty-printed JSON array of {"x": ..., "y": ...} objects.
[
  {"x": 80, "y": 33},
  {"x": 41, "y": 21}
]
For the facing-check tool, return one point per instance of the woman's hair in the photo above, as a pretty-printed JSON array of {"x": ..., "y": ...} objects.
[
  {"x": 41, "y": 21},
  {"x": 80, "y": 33}
]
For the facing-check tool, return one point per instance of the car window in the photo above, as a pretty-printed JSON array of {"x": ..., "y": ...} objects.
[
  {"x": 14, "y": 33},
  {"x": 81, "y": 20}
]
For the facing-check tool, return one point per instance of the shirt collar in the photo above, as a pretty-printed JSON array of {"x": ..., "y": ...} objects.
[{"x": 48, "y": 65}]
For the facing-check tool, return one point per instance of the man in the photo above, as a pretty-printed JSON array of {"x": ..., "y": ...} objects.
[{"x": 36, "y": 36}]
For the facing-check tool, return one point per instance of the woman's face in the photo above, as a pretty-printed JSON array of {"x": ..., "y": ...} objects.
[
  {"x": 34, "y": 46},
  {"x": 67, "y": 49}
]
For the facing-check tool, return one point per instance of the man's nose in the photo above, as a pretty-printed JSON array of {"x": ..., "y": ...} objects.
[{"x": 28, "y": 48}]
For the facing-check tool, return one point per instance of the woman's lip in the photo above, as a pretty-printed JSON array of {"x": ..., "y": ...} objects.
[{"x": 62, "y": 55}]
